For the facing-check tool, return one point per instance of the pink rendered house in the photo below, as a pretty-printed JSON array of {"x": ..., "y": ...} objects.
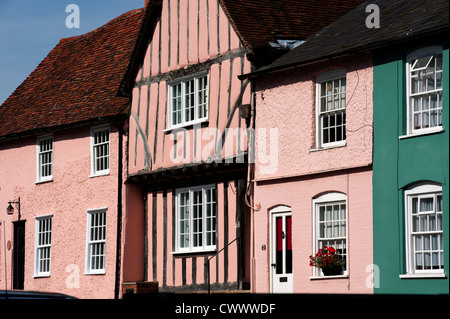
[
  {"x": 62, "y": 137},
  {"x": 314, "y": 185},
  {"x": 189, "y": 219}
]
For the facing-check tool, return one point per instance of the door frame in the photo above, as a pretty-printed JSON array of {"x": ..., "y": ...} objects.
[{"x": 281, "y": 210}]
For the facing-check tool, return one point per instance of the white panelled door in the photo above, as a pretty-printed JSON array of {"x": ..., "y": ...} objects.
[{"x": 281, "y": 250}]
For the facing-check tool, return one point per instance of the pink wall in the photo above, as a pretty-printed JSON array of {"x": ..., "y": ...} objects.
[
  {"x": 68, "y": 197},
  {"x": 298, "y": 195},
  {"x": 286, "y": 101}
]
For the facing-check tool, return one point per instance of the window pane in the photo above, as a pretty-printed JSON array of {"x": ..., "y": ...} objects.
[
  {"x": 425, "y": 103},
  {"x": 432, "y": 222},
  {"x": 418, "y": 243},
  {"x": 419, "y": 262},
  {"x": 426, "y": 243},
  {"x": 426, "y": 204},
  {"x": 427, "y": 259},
  {"x": 438, "y": 80},
  {"x": 321, "y": 213},
  {"x": 421, "y": 62},
  {"x": 423, "y": 225},
  {"x": 189, "y": 100},
  {"x": 439, "y": 203},
  {"x": 435, "y": 261},
  {"x": 323, "y": 103},
  {"x": 202, "y": 97},
  {"x": 414, "y": 83},
  {"x": 434, "y": 242},
  {"x": 417, "y": 121},
  {"x": 430, "y": 76},
  {"x": 176, "y": 104},
  {"x": 425, "y": 120},
  {"x": 329, "y": 212},
  {"x": 438, "y": 61},
  {"x": 434, "y": 115}
]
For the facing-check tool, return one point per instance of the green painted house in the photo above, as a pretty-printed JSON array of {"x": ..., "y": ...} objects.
[{"x": 411, "y": 156}]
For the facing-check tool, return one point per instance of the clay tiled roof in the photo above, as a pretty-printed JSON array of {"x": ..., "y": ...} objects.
[
  {"x": 400, "y": 20},
  {"x": 259, "y": 22},
  {"x": 77, "y": 82}
]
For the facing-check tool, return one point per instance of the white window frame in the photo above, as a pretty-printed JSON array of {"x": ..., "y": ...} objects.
[
  {"x": 424, "y": 52},
  {"x": 92, "y": 244},
  {"x": 331, "y": 198},
  {"x": 182, "y": 85},
  {"x": 420, "y": 191},
  {"x": 43, "y": 245},
  {"x": 44, "y": 154},
  {"x": 330, "y": 76},
  {"x": 206, "y": 231},
  {"x": 95, "y": 171}
]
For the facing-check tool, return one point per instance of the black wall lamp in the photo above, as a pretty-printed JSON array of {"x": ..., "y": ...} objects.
[{"x": 10, "y": 208}]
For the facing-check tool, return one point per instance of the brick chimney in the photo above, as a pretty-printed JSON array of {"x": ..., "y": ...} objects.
[{"x": 146, "y": 3}]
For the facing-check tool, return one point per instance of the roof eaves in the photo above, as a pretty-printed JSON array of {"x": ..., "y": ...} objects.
[
  {"x": 152, "y": 13},
  {"x": 274, "y": 67},
  {"x": 116, "y": 119}
]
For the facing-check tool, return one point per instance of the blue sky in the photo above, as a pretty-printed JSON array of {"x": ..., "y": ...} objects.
[{"x": 30, "y": 29}]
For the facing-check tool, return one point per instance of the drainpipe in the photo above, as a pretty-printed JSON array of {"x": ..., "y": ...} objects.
[
  {"x": 145, "y": 265},
  {"x": 119, "y": 212}
]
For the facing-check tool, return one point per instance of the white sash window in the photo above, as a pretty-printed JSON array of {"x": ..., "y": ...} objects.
[
  {"x": 196, "y": 217},
  {"x": 424, "y": 229},
  {"x": 188, "y": 101},
  {"x": 43, "y": 246},
  {"x": 424, "y": 90},
  {"x": 331, "y": 109}
]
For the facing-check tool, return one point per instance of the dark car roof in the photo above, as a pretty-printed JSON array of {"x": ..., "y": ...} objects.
[{"x": 27, "y": 294}]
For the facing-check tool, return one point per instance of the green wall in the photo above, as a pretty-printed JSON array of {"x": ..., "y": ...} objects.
[{"x": 398, "y": 163}]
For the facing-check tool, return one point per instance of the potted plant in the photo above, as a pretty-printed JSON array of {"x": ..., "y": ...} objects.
[{"x": 328, "y": 260}]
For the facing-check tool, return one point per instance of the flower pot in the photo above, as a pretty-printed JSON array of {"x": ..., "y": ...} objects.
[{"x": 332, "y": 271}]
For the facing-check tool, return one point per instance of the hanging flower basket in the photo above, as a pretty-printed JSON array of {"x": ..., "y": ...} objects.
[{"x": 328, "y": 261}]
